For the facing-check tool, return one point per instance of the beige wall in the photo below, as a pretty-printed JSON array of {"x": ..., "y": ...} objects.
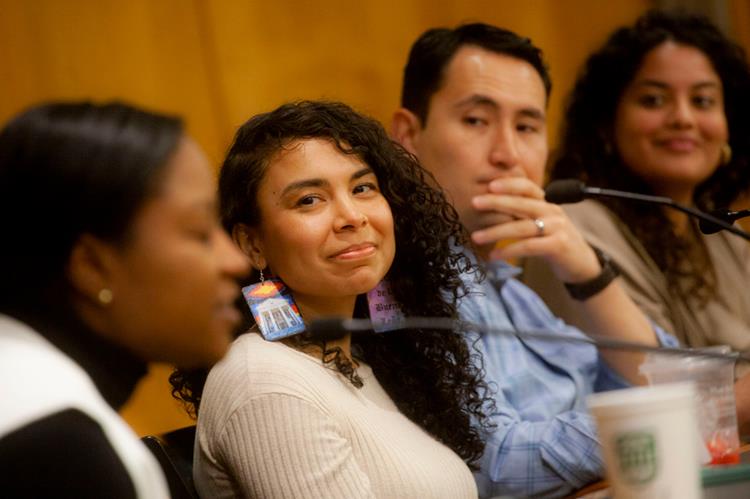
[{"x": 218, "y": 62}]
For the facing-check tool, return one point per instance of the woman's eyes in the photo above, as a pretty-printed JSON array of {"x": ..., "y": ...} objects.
[
  {"x": 656, "y": 100},
  {"x": 202, "y": 234},
  {"x": 704, "y": 101},
  {"x": 309, "y": 200},
  {"x": 365, "y": 187},
  {"x": 651, "y": 100}
]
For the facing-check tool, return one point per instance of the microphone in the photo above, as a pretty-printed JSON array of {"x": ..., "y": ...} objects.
[
  {"x": 722, "y": 214},
  {"x": 332, "y": 328},
  {"x": 574, "y": 191}
]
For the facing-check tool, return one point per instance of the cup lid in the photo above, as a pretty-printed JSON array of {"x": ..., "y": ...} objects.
[
  {"x": 642, "y": 399},
  {"x": 661, "y": 362}
]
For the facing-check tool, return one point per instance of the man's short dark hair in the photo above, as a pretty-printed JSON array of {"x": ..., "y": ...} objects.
[{"x": 434, "y": 49}]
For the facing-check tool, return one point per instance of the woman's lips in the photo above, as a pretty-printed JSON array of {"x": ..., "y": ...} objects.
[
  {"x": 227, "y": 312},
  {"x": 355, "y": 252},
  {"x": 679, "y": 145}
]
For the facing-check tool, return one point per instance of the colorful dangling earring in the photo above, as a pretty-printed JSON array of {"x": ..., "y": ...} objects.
[{"x": 273, "y": 308}]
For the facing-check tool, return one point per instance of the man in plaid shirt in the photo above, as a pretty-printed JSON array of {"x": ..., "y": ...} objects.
[{"x": 473, "y": 111}]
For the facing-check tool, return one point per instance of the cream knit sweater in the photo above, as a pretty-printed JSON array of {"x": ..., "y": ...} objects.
[{"x": 275, "y": 422}]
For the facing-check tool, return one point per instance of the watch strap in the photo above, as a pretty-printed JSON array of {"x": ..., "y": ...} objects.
[{"x": 584, "y": 290}]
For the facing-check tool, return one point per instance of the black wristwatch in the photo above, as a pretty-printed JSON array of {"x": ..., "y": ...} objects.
[{"x": 585, "y": 290}]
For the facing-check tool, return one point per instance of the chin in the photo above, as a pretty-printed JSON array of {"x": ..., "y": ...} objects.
[
  {"x": 358, "y": 285},
  {"x": 365, "y": 288}
]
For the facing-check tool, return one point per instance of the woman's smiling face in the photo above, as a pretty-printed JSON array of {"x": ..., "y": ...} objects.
[
  {"x": 326, "y": 230},
  {"x": 670, "y": 124}
]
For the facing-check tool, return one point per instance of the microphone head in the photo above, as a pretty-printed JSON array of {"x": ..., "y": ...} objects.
[
  {"x": 565, "y": 191},
  {"x": 724, "y": 214}
]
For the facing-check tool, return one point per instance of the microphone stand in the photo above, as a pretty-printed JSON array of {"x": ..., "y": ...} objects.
[
  {"x": 574, "y": 191},
  {"x": 724, "y": 214},
  {"x": 597, "y": 191},
  {"x": 332, "y": 328}
]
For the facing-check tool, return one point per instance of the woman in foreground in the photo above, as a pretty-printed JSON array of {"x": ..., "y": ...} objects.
[{"x": 112, "y": 256}]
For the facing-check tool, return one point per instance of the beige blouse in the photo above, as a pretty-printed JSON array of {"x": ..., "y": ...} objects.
[
  {"x": 724, "y": 321},
  {"x": 275, "y": 422}
]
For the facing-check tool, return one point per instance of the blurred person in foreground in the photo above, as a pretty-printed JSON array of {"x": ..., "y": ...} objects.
[
  {"x": 473, "y": 111},
  {"x": 663, "y": 108},
  {"x": 113, "y": 256}
]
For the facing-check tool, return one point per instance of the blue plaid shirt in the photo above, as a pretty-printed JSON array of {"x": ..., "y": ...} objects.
[{"x": 545, "y": 442}]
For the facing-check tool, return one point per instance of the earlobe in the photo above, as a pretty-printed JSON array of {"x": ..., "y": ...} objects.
[
  {"x": 90, "y": 267},
  {"x": 248, "y": 239},
  {"x": 405, "y": 129}
]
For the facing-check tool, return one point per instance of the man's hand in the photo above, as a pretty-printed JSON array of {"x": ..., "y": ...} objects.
[{"x": 559, "y": 243}]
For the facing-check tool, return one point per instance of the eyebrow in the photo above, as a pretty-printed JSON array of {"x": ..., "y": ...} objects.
[
  {"x": 319, "y": 182},
  {"x": 661, "y": 84},
  {"x": 483, "y": 100}
]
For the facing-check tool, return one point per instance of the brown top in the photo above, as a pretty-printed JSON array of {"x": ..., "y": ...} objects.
[{"x": 723, "y": 321}]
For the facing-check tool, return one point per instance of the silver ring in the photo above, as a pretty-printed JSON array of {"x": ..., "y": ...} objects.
[{"x": 539, "y": 227}]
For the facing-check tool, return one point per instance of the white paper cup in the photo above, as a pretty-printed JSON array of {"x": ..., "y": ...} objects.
[{"x": 649, "y": 438}]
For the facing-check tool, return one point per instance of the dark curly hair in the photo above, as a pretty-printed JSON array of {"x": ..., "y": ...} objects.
[
  {"x": 588, "y": 151},
  {"x": 433, "y": 376}
]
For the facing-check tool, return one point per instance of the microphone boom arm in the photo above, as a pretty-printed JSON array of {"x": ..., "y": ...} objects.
[
  {"x": 333, "y": 326},
  {"x": 596, "y": 191}
]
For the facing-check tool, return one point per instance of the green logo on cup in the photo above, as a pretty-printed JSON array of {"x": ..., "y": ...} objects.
[{"x": 636, "y": 453}]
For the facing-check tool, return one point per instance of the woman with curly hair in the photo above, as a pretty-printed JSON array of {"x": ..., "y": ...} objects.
[
  {"x": 322, "y": 201},
  {"x": 662, "y": 108}
]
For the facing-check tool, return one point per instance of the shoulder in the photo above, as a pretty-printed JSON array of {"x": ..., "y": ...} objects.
[
  {"x": 604, "y": 229},
  {"x": 62, "y": 466},
  {"x": 264, "y": 363},
  {"x": 266, "y": 380},
  {"x": 592, "y": 216},
  {"x": 39, "y": 383},
  {"x": 255, "y": 368},
  {"x": 51, "y": 380},
  {"x": 729, "y": 247}
]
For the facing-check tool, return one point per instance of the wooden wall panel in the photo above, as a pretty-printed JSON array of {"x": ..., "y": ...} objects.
[
  {"x": 740, "y": 14},
  {"x": 149, "y": 53},
  {"x": 217, "y": 62},
  {"x": 355, "y": 51}
]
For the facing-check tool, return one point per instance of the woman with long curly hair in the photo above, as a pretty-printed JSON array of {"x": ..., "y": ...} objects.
[
  {"x": 662, "y": 108},
  {"x": 322, "y": 201}
]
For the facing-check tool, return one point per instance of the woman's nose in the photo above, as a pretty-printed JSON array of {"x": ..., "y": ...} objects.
[
  {"x": 349, "y": 216},
  {"x": 682, "y": 114},
  {"x": 233, "y": 261}
]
